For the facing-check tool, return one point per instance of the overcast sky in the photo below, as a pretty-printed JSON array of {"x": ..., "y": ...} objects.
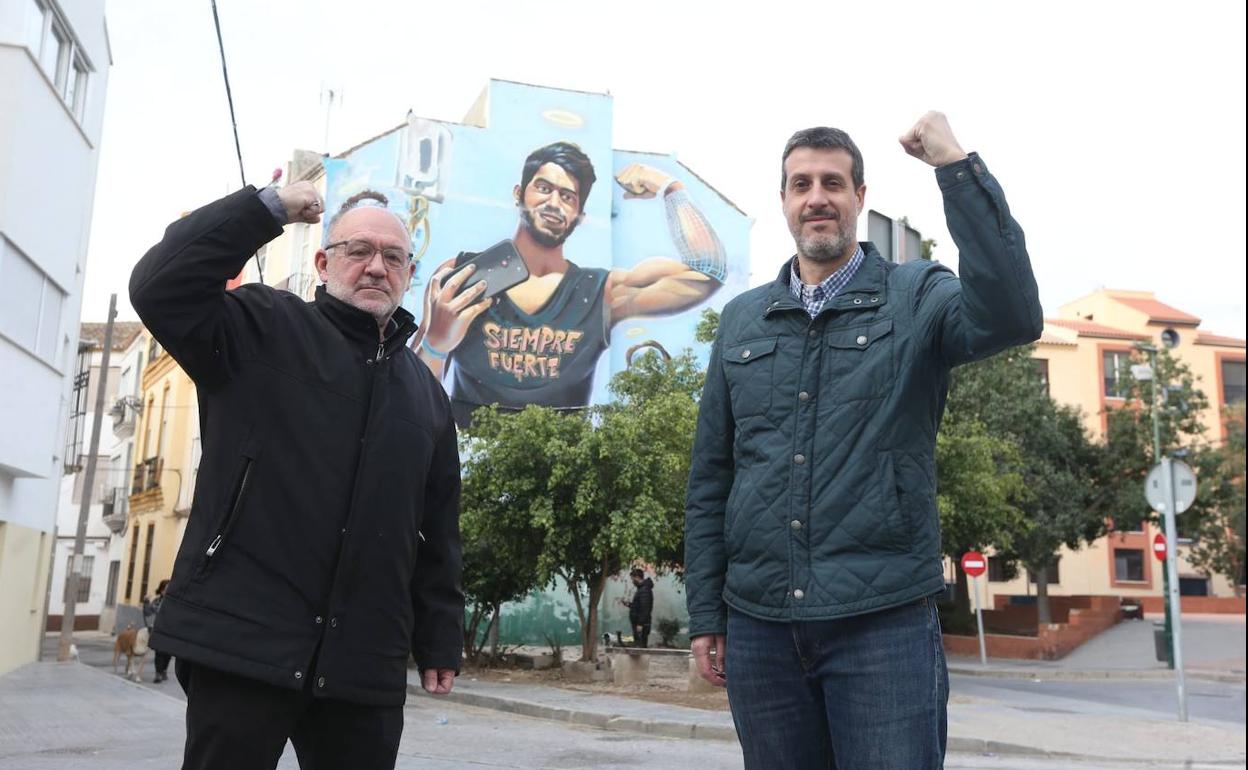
[{"x": 1117, "y": 129}]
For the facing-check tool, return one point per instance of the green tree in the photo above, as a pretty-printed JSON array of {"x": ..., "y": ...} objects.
[
  {"x": 503, "y": 473},
  {"x": 708, "y": 326},
  {"x": 977, "y": 484},
  {"x": 1054, "y": 457},
  {"x": 600, "y": 488},
  {"x": 1129, "y": 449},
  {"x": 1218, "y": 535}
]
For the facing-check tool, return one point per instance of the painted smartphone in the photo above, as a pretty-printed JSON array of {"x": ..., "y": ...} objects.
[{"x": 500, "y": 267}]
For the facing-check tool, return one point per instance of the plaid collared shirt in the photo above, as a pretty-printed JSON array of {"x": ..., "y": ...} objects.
[{"x": 814, "y": 297}]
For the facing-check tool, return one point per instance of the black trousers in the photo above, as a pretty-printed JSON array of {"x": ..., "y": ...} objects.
[
  {"x": 162, "y": 662},
  {"x": 641, "y": 638},
  {"x": 235, "y": 723}
]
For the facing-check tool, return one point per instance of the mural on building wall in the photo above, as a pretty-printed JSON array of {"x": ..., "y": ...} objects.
[{"x": 545, "y": 257}]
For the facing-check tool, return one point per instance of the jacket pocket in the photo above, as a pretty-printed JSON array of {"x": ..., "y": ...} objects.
[
  {"x": 236, "y": 500},
  {"x": 860, "y": 361},
  {"x": 748, "y": 368},
  {"x": 894, "y": 534}
]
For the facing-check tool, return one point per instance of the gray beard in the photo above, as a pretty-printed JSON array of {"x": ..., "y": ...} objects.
[{"x": 826, "y": 248}]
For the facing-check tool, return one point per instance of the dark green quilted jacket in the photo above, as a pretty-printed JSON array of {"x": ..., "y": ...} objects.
[{"x": 812, "y": 493}]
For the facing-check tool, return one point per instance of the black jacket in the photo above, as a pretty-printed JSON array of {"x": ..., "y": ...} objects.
[
  {"x": 642, "y": 604},
  {"x": 323, "y": 541}
]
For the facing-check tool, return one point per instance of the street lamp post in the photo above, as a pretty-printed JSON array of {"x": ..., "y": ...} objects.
[{"x": 1151, "y": 350}]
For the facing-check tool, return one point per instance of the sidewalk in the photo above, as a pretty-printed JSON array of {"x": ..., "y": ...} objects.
[
  {"x": 1213, "y": 650},
  {"x": 974, "y": 727}
]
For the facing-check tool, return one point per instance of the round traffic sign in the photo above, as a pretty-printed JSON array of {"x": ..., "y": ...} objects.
[
  {"x": 1159, "y": 546},
  {"x": 974, "y": 563},
  {"x": 1184, "y": 487}
]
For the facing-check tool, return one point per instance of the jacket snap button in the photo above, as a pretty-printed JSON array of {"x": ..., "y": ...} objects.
[
  {"x": 298, "y": 675},
  {"x": 799, "y": 459},
  {"x": 333, "y": 622},
  {"x": 319, "y": 620},
  {"x": 813, "y": 332},
  {"x": 875, "y": 299},
  {"x": 798, "y": 593},
  {"x": 862, "y": 339},
  {"x": 803, "y": 396},
  {"x": 745, "y": 354},
  {"x": 320, "y": 682},
  {"x": 858, "y": 301},
  {"x": 795, "y": 524}
]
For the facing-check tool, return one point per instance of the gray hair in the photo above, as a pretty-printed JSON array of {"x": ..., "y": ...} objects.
[{"x": 369, "y": 198}]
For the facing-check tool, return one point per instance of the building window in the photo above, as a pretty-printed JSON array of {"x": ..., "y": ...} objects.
[
  {"x": 1001, "y": 570},
  {"x": 30, "y": 304},
  {"x": 1116, "y": 364},
  {"x": 76, "y": 88},
  {"x": 147, "y": 560},
  {"x": 1129, "y": 565},
  {"x": 72, "y": 460},
  {"x": 48, "y": 36},
  {"x": 34, "y": 27},
  {"x": 84, "y": 579},
  {"x": 1193, "y": 586},
  {"x": 1053, "y": 571},
  {"x": 134, "y": 557},
  {"x": 1232, "y": 382},
  {"x": 110, "y": 595}
]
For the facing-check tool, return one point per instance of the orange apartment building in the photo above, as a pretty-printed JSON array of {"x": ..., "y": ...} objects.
[{"x": 1083, "y": 352}]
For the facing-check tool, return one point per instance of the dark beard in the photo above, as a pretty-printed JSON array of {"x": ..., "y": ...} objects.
[{"x": 542, "y": 237}]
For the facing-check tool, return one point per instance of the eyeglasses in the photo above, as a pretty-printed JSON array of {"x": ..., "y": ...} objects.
[{"x": 362, "y": 251}]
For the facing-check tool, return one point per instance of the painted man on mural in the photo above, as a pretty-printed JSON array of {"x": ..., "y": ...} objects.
[{"x": 540, "y": 341}]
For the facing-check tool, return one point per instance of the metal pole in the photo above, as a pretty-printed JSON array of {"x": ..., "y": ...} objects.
[
  {"x": 88, "y": 482},
  {"x": 1165, "y": 574},
  {"x": 1172, "y": 572},
  {"x": 979, "y": 622}
]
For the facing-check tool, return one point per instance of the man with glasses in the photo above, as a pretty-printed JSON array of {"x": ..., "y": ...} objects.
[{"x": 322, "y": 550}]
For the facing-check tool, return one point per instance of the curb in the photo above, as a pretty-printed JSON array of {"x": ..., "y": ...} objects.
[
  {"x": 587, "y": 718},
  {"x": 694, "y": 730},
  {"x": 1065, "y": 675}
]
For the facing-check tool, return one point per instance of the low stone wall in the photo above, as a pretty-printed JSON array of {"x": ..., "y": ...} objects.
[
  {"x": 81, "y": 622},
  {"x": 1084, "y": 617},
  {"x": 1213, "y": 605}
]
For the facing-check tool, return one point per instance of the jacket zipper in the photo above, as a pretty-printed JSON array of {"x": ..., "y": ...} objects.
[{"x": 229, "y": 520}]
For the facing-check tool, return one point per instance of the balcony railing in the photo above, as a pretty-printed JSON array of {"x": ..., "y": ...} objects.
[
  {"x": 125, "y": 414},
  {"x": 146, "y": 475}
]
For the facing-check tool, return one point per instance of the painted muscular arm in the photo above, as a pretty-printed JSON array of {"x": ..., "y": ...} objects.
[{"x": 663, "y": 285}]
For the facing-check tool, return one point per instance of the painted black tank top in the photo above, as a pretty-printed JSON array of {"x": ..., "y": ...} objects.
[{"x": 513, "y": 359}]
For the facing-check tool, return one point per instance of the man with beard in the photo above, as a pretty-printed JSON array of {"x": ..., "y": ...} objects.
[
  {"x": 539, "y": 342},
  {"x": 812, "y": 539}
]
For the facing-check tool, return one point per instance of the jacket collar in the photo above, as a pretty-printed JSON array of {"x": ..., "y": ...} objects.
[
  {"x": 361, "y": 327},
  {"x": 866, "y": 288}
]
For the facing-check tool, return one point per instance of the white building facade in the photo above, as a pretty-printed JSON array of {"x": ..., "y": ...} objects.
[
  {"x": 54, "y": 60},
  {"x": 110, "y": 489}
]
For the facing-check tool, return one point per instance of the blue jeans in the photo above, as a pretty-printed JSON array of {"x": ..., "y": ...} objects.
[{"x": 860, "y": 693}]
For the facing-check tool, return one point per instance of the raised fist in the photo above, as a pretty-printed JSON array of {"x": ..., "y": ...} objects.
[
  {"x": 303, "y": 203},
  {"x": 931, "y": 141},
  {"x": 640, "y": 181}
]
